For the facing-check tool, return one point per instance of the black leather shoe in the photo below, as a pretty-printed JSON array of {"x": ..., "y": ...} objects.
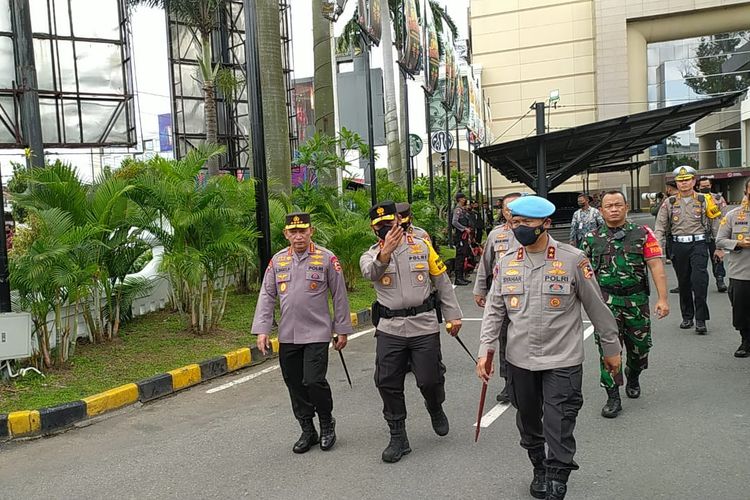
[
  {"x": 633, "y": 386},
  {"x": 688, "y": 323},
  {"x": 674, "y": 290},
  {"x": 556, "y": 490},
  {"x": 743, "y": 351},
  {"x": 308, "y": 438},
  {"x": 462, "y": 282},
  {"x": 720, "y": 285},
  {"x": 700, "y": 328},
  {"x": 538, "y": 486},
  {"x": 613, "y": 406},
  {"x": 439, "y": 421},
  {"x": 327, "y": 433}
]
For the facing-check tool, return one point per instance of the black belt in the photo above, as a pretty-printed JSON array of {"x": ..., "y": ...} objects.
[
  {"x": 624, "y": 290},
  {"x": 428, "y": 305}
]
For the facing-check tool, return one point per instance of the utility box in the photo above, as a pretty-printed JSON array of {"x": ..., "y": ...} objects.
[{"x": 15, "y": 336}]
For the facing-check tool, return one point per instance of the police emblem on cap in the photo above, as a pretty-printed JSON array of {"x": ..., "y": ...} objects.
[
  {"x": 380, "y": 210},
  {"x": 683, "y": 171},
  {"x": 295, "y": 219}
]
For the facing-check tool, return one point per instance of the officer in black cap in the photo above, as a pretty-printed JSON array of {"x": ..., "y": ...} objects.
[
  {"x": 407, "y": 222},
  {"x": 461, "y": 237}
]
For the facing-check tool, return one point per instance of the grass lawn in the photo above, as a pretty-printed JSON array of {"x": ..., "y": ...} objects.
[{"x": 152, "y": 344}]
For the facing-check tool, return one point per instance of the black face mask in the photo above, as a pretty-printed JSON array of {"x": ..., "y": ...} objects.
[
  {"x": 581, "y": 205},
  {"x": 705, "y": 190},
  {"x": 383, "y": 231},
  {"x": 527, "y": 235}
]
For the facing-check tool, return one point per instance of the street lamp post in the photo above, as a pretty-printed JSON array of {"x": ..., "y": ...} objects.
[{"x": 370, "y": 132}]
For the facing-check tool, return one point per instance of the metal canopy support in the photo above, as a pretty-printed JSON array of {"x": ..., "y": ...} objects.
[
  {"x": 541, "y": 154},
  {"x": 524, "y": 174},
  {"x": 31, "y": 122},
  {"x": 555, "y": 179}
]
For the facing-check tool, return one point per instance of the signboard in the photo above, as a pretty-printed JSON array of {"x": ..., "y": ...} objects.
[
  {"x": 415, "y": 145},
  {"x": 473, "y": 138},
  {"x": 441, "y": 142},
  {"x": 165, "y": 132},
  {"x": 432, "y": 68}
]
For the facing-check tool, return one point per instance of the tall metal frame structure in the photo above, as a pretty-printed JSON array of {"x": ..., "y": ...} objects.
[
  {"x": 84, "y": 102},
  {"x": 228, "y": 44}
]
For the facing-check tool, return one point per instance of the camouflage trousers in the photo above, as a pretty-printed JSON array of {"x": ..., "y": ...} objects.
[{"x": 634, "y": 323}]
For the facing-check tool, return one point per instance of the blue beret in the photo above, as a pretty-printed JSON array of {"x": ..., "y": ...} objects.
[{"x": 534, "y": 207}]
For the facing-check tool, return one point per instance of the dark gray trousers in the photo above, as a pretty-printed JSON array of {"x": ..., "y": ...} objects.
[
  {"x": 393, "y": 356},
  {"x": 548, "y": 402}
]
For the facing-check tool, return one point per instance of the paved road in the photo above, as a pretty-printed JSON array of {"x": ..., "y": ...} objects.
[{"x": 687, "y": 437}]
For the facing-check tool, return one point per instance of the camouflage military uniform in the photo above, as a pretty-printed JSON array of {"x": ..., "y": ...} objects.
[{"x": 619, "y": 257}]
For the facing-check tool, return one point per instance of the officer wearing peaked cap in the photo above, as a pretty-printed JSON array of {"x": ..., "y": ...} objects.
[
  {"x": 404, "y": 270},
  {"x": 540, "y": 287},
  {"x": 301, "y": 276},
  {"x": 407, "y": 222},
  {"x": 689, "y": 220}
]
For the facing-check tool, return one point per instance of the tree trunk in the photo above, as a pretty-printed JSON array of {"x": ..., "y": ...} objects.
[
  {"x": 275, "y": 116},
  {"x": 325, "y": 106},
  {"x": 209, "y": 106}
]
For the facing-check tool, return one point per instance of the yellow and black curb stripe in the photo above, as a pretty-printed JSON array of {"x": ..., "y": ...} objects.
[
  {"x": 30, "y": 423},
  {"x": 57, "y": 418}
]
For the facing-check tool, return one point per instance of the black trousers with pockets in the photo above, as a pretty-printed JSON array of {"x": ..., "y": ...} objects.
[
  {"x": 304, "y": 368},
  {"x": 690, "y": 261},
  {"x": 548, "y": 402},
  {"x": 393, "y": 355}
]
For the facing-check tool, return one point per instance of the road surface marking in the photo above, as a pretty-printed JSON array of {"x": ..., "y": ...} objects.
[
  {"x": 492, "y": 415},
  {"x": 243, "y": 379},
  {"x": 272, "y": 368}
]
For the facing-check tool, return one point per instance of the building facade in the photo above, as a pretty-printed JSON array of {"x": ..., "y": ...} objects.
[{"x": 609, "y": 58}]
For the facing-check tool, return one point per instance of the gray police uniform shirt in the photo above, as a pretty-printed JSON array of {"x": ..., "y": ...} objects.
[
  {"x": 499, "y": 241},
  {"x": 302, "y": 283},
  {"x": 405, "y": 282},
  {"x": 735, "y": 227},
  {"x": 687, "y": 216},
  {"x": 541, "y": 294},
  {"x": 418, "y": 232},
  {"x": 459, "y": 213}
]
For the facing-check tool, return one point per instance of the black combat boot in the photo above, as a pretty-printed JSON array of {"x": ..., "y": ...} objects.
[
  {"x": 556, "y": 489},
  {"x": 439, "y": 420},
  {"x": 327, "y": 432},
  {"x": 399, "y": 444},
  {"x": 743, "y": 351},
  {"x": 613, "y": 405},
  {"x": 308, "y": 438},
  {"x": 633, "y": 386},
  {"x": 538, "y": 486}
]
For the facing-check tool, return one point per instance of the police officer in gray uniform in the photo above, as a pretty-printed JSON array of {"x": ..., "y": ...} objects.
[
  {"x": 690, "y": 220},
  {"x": 302, "y": 276},
  {"x": 540, "y": 286},
  {"x": 734, "y": 237},
  {"x": 407, "y": 222},
  {"x": 461, "y": 237},
  {"x": 499, "y": 241},
  {"x": 406, "y": 314}
]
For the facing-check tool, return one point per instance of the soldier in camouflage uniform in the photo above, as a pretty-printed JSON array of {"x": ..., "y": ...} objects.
[{"x": 619, "y": 252}]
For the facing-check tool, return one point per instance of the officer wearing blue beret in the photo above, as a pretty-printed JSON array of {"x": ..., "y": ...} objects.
[{"x": 540, "y": 287}]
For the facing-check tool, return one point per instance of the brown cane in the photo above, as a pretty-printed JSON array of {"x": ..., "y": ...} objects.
[{"x": 487, "y": 367}]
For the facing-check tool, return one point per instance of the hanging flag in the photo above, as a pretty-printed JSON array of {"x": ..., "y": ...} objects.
[
  {"x": 412, "y": 46},
  {"x": 370, "y": 19},
  {"x": 432, "y": 66},
  {"x": 460, "y": 102}
]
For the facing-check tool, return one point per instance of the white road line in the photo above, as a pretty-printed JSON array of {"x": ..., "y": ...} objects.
[
  {"x": 243, "y": 379},
  {"x": 471, "y": 319},
  {"x": 492, "y": 415},
  {"x": 272, "y": 368},
  {"x": 587, "y": 332},
  {"x": 497, "y": 410}
]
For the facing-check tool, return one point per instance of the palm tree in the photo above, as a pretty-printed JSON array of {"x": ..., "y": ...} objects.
[
  {"x": 325, "y": 116},
  {"x": 350, "y": 37},
  {"x": 202, "y": 15}
]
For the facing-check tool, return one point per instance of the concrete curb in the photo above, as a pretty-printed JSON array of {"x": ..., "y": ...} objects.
[{"x": 46, "y": 421}]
